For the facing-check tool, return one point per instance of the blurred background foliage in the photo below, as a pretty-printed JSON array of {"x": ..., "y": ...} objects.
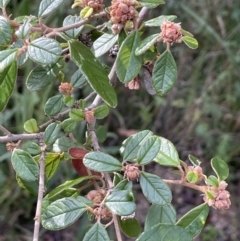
[{"x": 201, "y": 115}]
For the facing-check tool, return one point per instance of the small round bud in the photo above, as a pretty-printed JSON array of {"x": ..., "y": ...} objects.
[
  {"x": 89, "y": 116},
  {"x": 131, "y": 172},
  {"x": 171, "y": 32},
  {"x": 65, "y": 88}
]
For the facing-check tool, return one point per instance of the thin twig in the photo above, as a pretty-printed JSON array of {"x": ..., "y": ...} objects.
[
  {"x": 40, "y": 192},
  {"x": 93, "y": 136},
  {"x": 144, "y": 11},
  {"x": 17, "y": 137},
  {"x": 5, "y": 131}
]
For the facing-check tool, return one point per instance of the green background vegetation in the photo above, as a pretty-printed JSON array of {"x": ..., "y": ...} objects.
[{"x": 201, "y": 115}]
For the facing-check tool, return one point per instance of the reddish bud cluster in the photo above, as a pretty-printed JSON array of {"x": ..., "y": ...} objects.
[
  {"x": 131, "y": 171},
  {"x": 96, "y": 195},
  {"x": 220, "y": 198},
  {"x": 123, "y": 13},
  {"x": 171, "y": 32},
  {"x": 134, "y": 84},
  {"x": 65, "y": 88},
  {"x": 97, "y": 5}
]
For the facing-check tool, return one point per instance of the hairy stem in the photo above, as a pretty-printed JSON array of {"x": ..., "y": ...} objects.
[{"x": 40, "y": 193}]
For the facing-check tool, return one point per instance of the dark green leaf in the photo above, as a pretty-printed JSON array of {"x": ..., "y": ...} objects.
[
  {"x": 5, "y": 31},
  {"x": 44, "y": 50},
  {"x": 130, "y": 227},
  {"x": 72, "y": 33},
  {"x": 120, "y": 203},
  {"x": 132, "y": 144},
  {"x": 7, "y": 57},
  {"x": 192, "y": 43},
  {"x": 160, "y": 214},
  {"x": 24, "y": 165},
  {"x": 164, "y": 73},
  {"x": 101, "y": 112},
  {"x": 96, "y": 233},
  {"x": 42, "y": 76},
  {"x": 157, "y": 22},
  {"x": 33, "y": 148},
  {"x": 103, "y": 44},
  {"x": 68, "y": 125},
  {"x": 69, "y": 101},
  {"x": 76, "y": 114},
  {"x": 62, "y": 213},
  {"x": 3, "y": 3},
  {"x": 155, "y": 189},
  {"x": 194, "y": 160},
  {"x": 117, "y": 178},
  {"x": 78, "y": 79},
  {"x": 194, "y": 220},
  {"x": 98, "y": 79},
  {"x": 121, "y": 37},
  {"x": 53, "y": 105},
  {"x": 124, "y": 185},
  {"x": 66, "y": 185},
  {"x": 146, "y": 44},
  {"x": 7, "y": 80},
  {"x": 168, "y": 155},
  {"x": 127, "y": 63},
  {"x": 212, "y": 181},
  {"x": 31, "y": 186},
  {"x": 101, "y": 162},
  {"x": 165, "y": 232},
  {"x": 51, "y": 133},
  {"x": 31, "y": 126},
  {"x": 48, "y": 6},
  {"x": 101, "y": 133},
  {"x": 148, "y": 150},
  {"x": 220, "y": 168}
]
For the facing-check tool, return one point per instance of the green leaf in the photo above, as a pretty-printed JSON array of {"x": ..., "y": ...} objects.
[
  {"x": 62, "y": 213},
  {"x": 194, "y": 220},
  {"x": 132, "y": 144},
  {"x": 68, "y": 125},
  {"x": 98, "y": 79},
  {"x": 220, "y": 168},
  {"x": 52, "y": 161},
  {"x": 51, "y": 133},
  {"x": 66, "y": 185},
  {"x": 44, "y": 50},
  {"x": 165, "y": 232},
  {"x": 146, "y": 44},
  {"x": 155, "y": 189},
  {"x": 24, "y": 29},
  {"x": 149, "y": 150},
  {"x": 101, "y": 112},
  {"x": 96, "y": 233},
  {"x": 3, "y": 3},
  {"x": 127, "y": 63},
  {"x": 117, "y": 178},
  {"x": 69, "y": 20},
  {"x": 48, "y": 6},
  {"x": 168, "y": 155},
  {"x": 101, "y": 132},
  {"x": 157, "y": 22},
  {"x": 31, "y": 126},
  {"x": 31, "y": 186},
  {"x": 160, "y": 214},
  {"x": 62, "y": 144},
  {"x": 194, "y": 160},
  {"x": 192, "y": 177},
  {"x": 78, "y": 79},
  {"x": 212, "y": 181},
  {"x": 33, "y": 148},
  {"x": 7, "y": 57},
  {"x": 76, "y": 114},
  {"x": 42, "y": 76},
  {"x": 7, "y": 81},
  {"x": 103, "y": 44},
  {"x": 120, "y": 203},
  {"x": 101, "y": 162},
  {"x": 124, "y": 185},
  {"x": 23, "y": 57},
  {"x": 5, "y": 31},
  {"x": 69, "y": 101},
  {"x": 86, "y": 12},
  {"x": 24, "y": 165},
  {"x": 164, "y": 73},
  {"x": 53, "y": 105},
  {"x": 149, "y": 5},
  {"x": 192, "y": 43},
  {"x": 130, "y": 227}
]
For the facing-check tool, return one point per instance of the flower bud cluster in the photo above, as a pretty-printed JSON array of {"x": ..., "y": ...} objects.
[
  {"x": 97, "y": 5},
  {"x": 65, "y": 88},
  {"x": 220, "y": 196},
  {"x": 171, "y": 32},
  {"x": 134, "y": 84},
  {"x": 131, "y": 171},
  {"x": 123, "y": 14}
]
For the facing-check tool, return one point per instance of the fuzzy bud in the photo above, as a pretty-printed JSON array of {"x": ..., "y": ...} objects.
[
  {"x": 65, "y": 88},
  {"x": 89, "y": 116},
  {"x": 171, "y": 32},
  {"x": 131, "y": 172},
  {"x": 96, "y": 195}
]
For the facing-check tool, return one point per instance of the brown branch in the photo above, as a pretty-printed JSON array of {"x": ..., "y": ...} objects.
[
  {"x": 40, "y": 192},
  {"x": 144, "y": 11},
  {"x": 17, "y": 137}
]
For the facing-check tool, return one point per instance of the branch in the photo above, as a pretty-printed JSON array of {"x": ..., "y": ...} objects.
[
  {"x": 40, "y": 192},
  {"x": 144, "y": 11},
  {"x": 5, "y": 131},
  {"x": 17, "y": 137}
]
